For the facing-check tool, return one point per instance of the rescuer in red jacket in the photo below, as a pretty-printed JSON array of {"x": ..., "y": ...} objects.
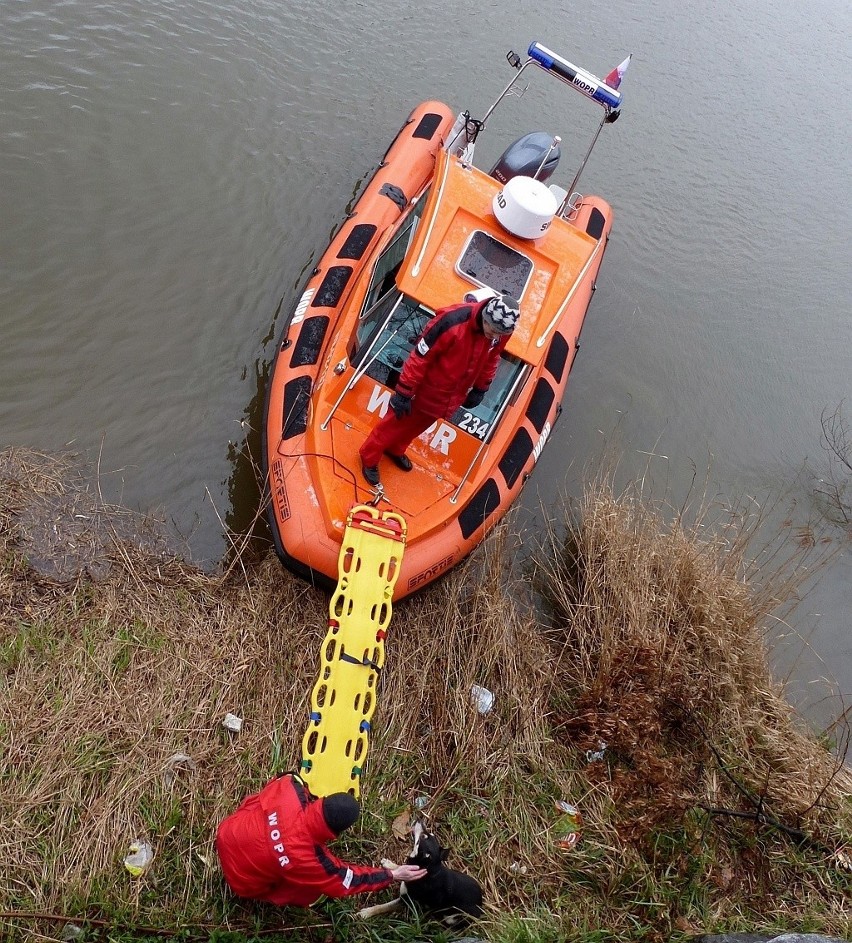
[
  {"x": 273, "y": 848},
  {"x": 452, "y": 364}
]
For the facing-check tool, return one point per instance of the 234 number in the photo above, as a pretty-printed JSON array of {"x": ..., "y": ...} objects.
[{"x": 474, "y": 425}]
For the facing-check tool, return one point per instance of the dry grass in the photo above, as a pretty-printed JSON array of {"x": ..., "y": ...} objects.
[
  {"x": 653, "y": 647},
  {"x": 662, "y": 657}
]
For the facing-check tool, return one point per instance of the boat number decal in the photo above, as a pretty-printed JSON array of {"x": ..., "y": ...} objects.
[
  {"x": 302, "y": 306},
  {"x": 542, "y": 439},
  {"x": 474, "y": 425},
  {"x": 439, "y": 436}
]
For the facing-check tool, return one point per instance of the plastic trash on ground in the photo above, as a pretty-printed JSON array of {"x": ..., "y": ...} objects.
[
  {"x": 140, "y": 858},
  {"x": 842, "y": 858},
  {"x": 482, "y": 698},
  {"x": 568, "y": 826},
  {"x": 175, "y": 762},
  {"x": 595, "y": 756}
]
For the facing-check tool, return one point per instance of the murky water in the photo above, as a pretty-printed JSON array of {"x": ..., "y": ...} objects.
[{"x": 170, "y": 171}]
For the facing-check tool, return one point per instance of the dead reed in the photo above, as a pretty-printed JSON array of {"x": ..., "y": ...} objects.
[{"x": 636, "y": 690}]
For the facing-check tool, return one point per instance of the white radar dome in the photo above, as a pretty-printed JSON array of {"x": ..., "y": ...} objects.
[{"x": 525, "y": 207}]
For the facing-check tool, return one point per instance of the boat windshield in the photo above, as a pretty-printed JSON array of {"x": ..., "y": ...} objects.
[
  {"x": 384, "y": 345},
  {"x": 383, "y": 279}
]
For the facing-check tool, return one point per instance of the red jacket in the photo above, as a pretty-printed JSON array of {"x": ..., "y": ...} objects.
[
  {"x": 451, "y": 356},
  {"x": 273, "y": 849}
]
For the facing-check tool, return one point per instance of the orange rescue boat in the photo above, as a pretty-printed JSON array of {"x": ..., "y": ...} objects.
[{"x": 429, "y": 229}]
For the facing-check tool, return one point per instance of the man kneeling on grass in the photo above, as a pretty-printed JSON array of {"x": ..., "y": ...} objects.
[{"x": 273, "y": 848}]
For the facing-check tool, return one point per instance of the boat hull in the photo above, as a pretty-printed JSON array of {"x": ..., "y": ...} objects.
[{"x": 318, "y": 412}]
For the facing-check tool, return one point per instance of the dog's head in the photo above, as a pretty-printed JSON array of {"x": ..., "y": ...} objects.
[{"x": 427, "y": 852}]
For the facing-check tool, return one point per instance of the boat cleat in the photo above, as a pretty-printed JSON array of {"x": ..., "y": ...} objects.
[{"x": 378, "y": 495}]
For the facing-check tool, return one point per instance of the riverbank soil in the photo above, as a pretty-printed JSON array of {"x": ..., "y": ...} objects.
[{"x": 635, "y": 690}]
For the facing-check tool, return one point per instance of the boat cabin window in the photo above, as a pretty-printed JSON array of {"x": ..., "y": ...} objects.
[
  {"x": 488, "y": 262},
  {"x": 384, "y": 274}
]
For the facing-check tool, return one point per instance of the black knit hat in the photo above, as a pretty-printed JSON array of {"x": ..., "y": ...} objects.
[
  {"x": 340, "y": 810},
  {"x": 502, "y": 313}
]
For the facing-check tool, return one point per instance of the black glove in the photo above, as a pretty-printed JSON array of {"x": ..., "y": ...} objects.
[
  {"x": 474, "y": 398},
  {"x": 400, "y": 404}
]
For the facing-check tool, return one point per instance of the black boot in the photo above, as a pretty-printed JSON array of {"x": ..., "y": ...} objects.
[
  {"x": 371, "y": 473},
  {"x": 401, "y": 461}
]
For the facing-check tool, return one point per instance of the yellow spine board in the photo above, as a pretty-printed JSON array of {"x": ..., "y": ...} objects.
[{"x": 334, "y": 748}]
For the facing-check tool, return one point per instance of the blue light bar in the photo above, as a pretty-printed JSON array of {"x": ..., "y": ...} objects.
[{"x": 590, "y": 85}]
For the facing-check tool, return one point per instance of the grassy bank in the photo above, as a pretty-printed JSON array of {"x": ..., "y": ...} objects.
[{"x": 637, "y": 690}]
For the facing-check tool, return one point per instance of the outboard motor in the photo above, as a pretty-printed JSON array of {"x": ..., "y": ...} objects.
[{"x": 524, "y": 157}]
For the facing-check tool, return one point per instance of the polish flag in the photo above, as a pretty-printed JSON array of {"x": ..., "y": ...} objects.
[{"x": 613, "y": 80}]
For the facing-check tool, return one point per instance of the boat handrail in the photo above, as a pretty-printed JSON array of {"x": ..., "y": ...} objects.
[
  {"x": 582, "y": 166},
  {"x": 362, "y": 317},
  {"x": 506, "y": 90},
  {"x": 415, "y": 269},
  {"x": 503, "y": 407},
  {"x": 570, "y": 295},
  {"x": 368, "y": 361}
]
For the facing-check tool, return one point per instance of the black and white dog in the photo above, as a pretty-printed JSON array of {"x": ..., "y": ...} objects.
[{"x": 444, "y": 893}]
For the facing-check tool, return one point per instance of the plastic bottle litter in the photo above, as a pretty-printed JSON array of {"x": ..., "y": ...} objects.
[
  {"x": 482, "y": 698},
  {"x": 233, "y": 723},
  {"x": 140, "y": 858},
  {"x": 595, "y": 756},
  {"x": 568, "y": 826}
]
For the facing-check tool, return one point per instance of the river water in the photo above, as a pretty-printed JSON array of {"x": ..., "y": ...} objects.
[{"x": 170, "y": 171}]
